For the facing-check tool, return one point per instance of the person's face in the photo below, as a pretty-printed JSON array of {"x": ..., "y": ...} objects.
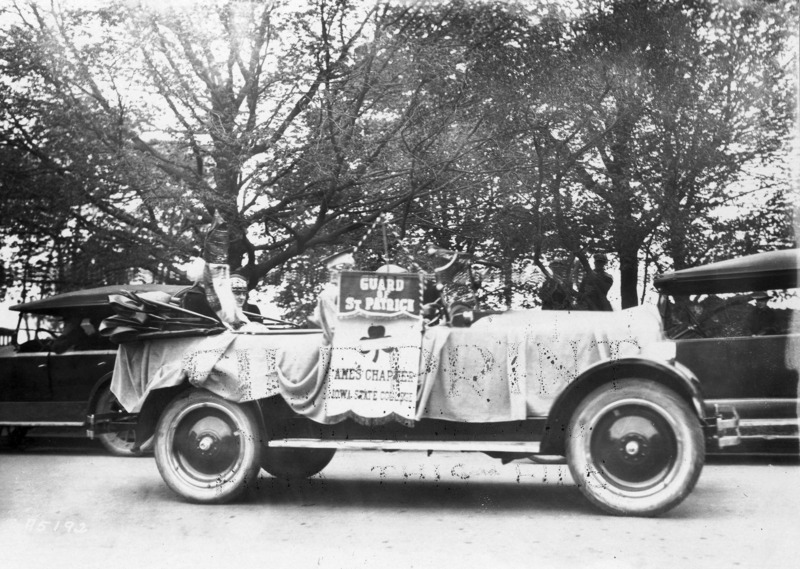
[{"x": 239, "y": 289}]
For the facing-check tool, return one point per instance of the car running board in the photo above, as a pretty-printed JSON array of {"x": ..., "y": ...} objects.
[
  {"x": 769, "y": 429},
  {"x": 370, "y": 444}
]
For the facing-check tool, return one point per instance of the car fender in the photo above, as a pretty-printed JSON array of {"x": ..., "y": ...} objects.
[
  {"x": 158, "y": 400},
  {"x": 669, "y": 373},
  {"x": 152, "y": 408},
  {"x": 94, "y": 395}
]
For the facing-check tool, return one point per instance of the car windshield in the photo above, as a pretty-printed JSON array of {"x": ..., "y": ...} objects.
[
  {"x": 69, "y": 331},
  {"x": 756, "y": 313},
  {"x": 33, "y": 327}
]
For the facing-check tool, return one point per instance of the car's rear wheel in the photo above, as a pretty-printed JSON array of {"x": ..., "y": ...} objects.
[
  {"x": 295, "y": 463},
  {"x": 635, "y": 448},
  {"x": 208, "y": 449},
  {"x": 123, "y": 442}
]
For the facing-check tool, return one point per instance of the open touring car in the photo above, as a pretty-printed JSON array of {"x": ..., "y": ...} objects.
[{"x": 632, "y": 424}]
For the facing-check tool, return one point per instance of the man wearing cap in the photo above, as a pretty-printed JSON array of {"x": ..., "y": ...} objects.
[
  {"x": 761, "y": 321},
  {"x": 595, "y": 285},
  {"x": 240, "y": 291}
]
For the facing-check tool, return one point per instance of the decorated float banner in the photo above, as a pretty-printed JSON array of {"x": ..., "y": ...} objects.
[
  {"x": 374, "y": 367},
  {"x": 380, "y": 294}
]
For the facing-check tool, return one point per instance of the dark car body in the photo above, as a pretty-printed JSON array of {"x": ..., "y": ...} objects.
[
  {"x": 755, "y": 371},
  {"x": 44, "y": 385}
]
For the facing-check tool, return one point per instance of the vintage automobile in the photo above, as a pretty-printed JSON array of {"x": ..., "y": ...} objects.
[
  {"x": 746, "y": 356},
  {"x": 632, "y": 425},
  {"x": 53, "y": 380}
]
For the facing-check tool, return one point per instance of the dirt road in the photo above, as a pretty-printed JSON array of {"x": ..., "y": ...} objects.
[{"x": 84, "y": 509}]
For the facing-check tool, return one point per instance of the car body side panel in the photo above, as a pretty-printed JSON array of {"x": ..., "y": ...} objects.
[
  {"x": 743, "y": 368},
  {"x": 758, "y": 377},
  {"x": 24, "y": 377},
  {"x": 44, "y": 387},
  {"x": 41, "y": 413},
  {"x": 74, "y": 374}
]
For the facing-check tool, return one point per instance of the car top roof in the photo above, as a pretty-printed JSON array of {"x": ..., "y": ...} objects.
[
  {"x": 90, "y": 297},
  {"x": 762, "y": 271}
]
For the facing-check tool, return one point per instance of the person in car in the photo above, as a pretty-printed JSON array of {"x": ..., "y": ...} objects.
[
  {"x": 77, "y": 335},
  {"x": 240, "y": 292},
  {"x": 762, "y": 320}
]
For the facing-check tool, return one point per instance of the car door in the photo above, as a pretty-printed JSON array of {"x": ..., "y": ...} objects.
[
  {"x": 25, "y": 388},
  {"x": 75, "y": 372},
  {"x": 758, "y": 375},
  {"x": 42, "y": 387},
  {"x": 743, "y": 367}
]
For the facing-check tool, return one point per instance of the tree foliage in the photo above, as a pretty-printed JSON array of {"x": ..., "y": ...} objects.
[{"x": 505, "y": 130}]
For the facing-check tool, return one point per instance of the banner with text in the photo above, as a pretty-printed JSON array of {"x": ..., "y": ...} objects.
[
  {"x": 380, "y": 294},
  {"x": 375, "y": 356}
]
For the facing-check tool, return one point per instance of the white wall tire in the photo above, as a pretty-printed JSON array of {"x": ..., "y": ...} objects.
[
  {"x": 635, "y": 448},
  {"x": 208, "y": 450}
]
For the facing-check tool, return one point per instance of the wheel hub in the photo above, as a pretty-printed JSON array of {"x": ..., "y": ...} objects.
[
  {"x": 205, "y": 443},
  {"x": 633, "y": 447}
]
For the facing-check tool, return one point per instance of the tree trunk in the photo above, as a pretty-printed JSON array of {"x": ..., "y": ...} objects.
[
  {"x": 508, "y": 283},
  {"x": 629, "y": 274}
]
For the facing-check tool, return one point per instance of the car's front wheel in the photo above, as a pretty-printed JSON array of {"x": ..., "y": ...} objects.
[
  {"x": 635, "y": 448},
  {"x": 208, "y": 449}
]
